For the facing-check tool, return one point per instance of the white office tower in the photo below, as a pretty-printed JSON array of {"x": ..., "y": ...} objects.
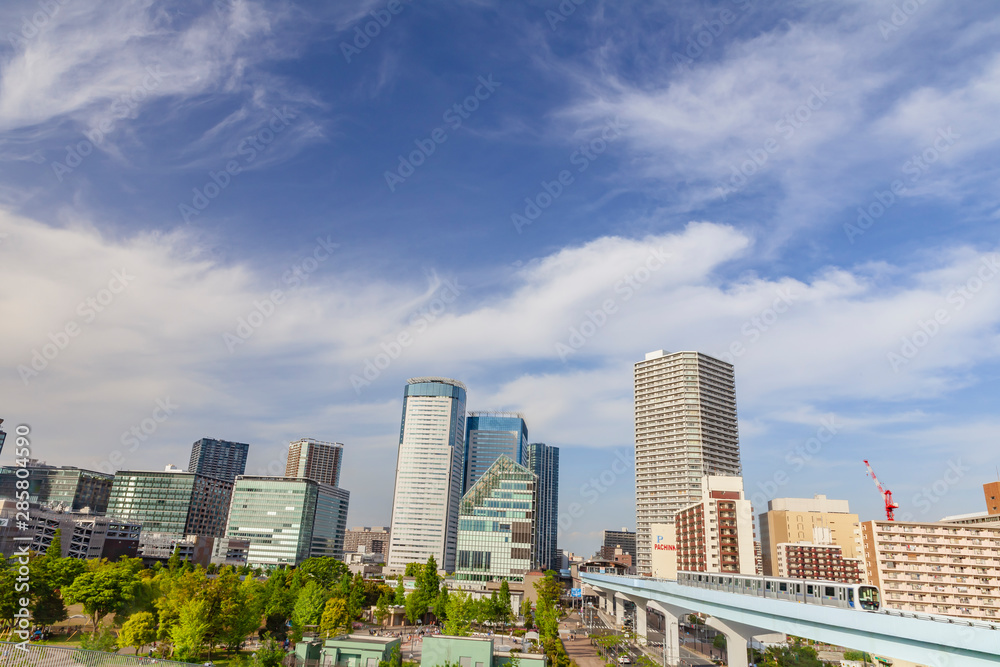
[
  {"x": 429, "y": 469},
  {"x": 685, "y": 428}
]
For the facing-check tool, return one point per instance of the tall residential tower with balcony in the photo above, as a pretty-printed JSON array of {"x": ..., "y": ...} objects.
[{"x": 685, "y": 428}]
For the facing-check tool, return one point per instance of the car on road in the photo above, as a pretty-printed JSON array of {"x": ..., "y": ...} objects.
[{"x": 624, "y": 660}]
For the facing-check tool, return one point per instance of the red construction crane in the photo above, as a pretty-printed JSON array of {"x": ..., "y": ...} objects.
[{"x": 886, "y": 493}]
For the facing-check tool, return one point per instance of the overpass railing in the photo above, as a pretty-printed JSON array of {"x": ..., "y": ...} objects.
[
  {"x": 44, "y": 655},
  {"x": 937, "y": 618}
]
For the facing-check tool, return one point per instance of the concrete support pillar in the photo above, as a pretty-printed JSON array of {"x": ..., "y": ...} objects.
[
  {"x": 671, "y": 650},
  {"x": 640, "y": 628},
  {"x": 619, "y": 609},
  {"x": 737, "y": 636}
]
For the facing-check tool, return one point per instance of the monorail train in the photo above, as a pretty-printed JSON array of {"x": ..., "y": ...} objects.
[{"x": 861, "y": 597}]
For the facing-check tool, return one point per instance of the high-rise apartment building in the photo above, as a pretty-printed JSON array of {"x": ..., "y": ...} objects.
[
  {"x": 793, "y": 520},
  {"x": 429, "y": 467},
  {"x": 543, "y": 460},
  {"x": 490, "y": 435},
  {"x": 314, "y": 459},
  {"x": 375, "y": 540},
  {"x": 287, "y": 520},
  {"x": 63, "y": 488},
  {"x": 171, "y": 502},
  {"x": 716, "y": 534},
  {"x": 496, "y": 524},
  {"x": 936, "y": 568},
  {"x": 685, "y": 427},
  {"x": 623, "y": 538},
  {"x": 220, "y": 459}
]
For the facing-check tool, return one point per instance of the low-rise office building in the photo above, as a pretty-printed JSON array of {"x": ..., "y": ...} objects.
[
  {"x": 476, "y": 652},
  {"x": 61, "y": 488},
  {"x": 83, "y": 535}
]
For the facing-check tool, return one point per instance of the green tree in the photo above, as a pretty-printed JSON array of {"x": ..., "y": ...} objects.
[
  {"x": 382, "y": 609},
  {"x": 55, "y": 546},
  {"x": 415, "y": 607},
  {"x": 459, "y": 614},
  {"x": 174, "y": 562},
  {"x": 441, "y": 604},
  {"x": 526, "y": 613},
  {"x": 400, "y": 594},
  {"x": 336, "y": 619},
  {"x": 242, "y": 613},
  {"x": 188, "y": 635},
  {"x": 270, "y": 654},
  {"x": 548, "y": 589},
  {"x": 506, "y": 609},
  {"x": 308, "y": 607},
  {"x": 412, "y": 570},
  {"x": 719, "y": 642},
  {"x": 105, "y": 589},
  {"x": 138, "y": 630},
  {"x": 104, "y": 640},
  {"x": 326, "y": 571},
  {"x": 356, "y": 597}
]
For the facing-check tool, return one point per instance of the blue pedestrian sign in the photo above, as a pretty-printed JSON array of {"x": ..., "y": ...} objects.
[{"x": 576, "y": 592}]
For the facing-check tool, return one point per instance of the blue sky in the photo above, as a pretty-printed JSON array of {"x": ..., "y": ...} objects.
[{"x": 809, "y": 189}]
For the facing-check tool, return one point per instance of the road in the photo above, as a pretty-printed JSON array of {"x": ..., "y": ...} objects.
[{"x": 596, "y": 622}]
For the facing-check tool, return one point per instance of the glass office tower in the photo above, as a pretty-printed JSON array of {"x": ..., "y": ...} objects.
[
  {"x": 543, "y": 460},
  {"x": 496, "y": 526},
  {"x": 490, "y": 435},
  {"x": 429, "y": 467},
  {"x": 288, "y": 520},
  {"x": 175, "y": 503}
]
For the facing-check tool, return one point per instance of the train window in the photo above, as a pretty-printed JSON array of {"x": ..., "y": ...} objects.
[
  {"x": 828, "y": 591},
  {"x": 868, "y": 597},
  {"x": 850, "y": 597},
  {"x": 767, "y": 585},
  {"x": 809, "y": 589},
  {"x": 783, "y": 587}
]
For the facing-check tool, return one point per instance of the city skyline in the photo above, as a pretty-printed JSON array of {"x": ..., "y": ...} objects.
[{"x": 216, "y": 220}]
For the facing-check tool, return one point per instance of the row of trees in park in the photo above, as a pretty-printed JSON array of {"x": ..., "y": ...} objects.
[{"x": 189, "y": 612}]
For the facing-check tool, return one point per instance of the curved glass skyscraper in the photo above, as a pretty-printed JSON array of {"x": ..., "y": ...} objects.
[{"x": 429, "y": 467}]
